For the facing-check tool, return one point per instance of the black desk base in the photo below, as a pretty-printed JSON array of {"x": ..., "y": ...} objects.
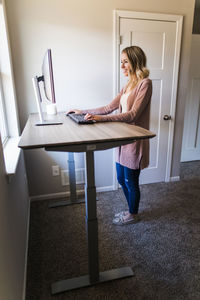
[
  {"x": 72, "y": 183},
  {"x": 94, "y": 275},
  {"x": 66, "y": 202},
  {"x": 84, "y": 281}
]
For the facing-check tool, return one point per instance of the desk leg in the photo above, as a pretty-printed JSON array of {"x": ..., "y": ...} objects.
[
  {"x": 72, "y": 183},
  {"x": 94, "y": 276},
  {"x": 91, "y": 218}
]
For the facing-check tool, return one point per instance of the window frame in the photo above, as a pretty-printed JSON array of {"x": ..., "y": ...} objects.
[{"x": 3, "y": 117}]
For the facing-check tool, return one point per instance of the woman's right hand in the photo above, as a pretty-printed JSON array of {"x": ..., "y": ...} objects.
[{"x": 76, "y": 111}]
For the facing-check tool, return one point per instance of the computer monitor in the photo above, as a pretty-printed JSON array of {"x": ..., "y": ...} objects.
[{"x": 49, "y": 91}]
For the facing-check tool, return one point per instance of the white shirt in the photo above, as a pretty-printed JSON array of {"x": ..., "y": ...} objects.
[{"x": 123, "y": 102}]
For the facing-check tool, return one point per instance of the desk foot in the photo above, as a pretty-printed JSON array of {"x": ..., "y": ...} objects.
[
  {"x": 66, "y": 202},
  {"x": 84, "y": 281}
]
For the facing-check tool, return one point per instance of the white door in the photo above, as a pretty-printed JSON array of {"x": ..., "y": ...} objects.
[
  {"x": 158, "y": 40},
  {"x": 191, "y": 133}
]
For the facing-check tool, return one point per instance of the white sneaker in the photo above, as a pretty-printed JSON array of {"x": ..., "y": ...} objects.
[
  {"x": 122, "y": 221},
  {"x": 121, "y": 213}
]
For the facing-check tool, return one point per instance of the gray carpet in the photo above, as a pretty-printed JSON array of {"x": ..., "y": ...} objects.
[{"x": 163, "y": 249}]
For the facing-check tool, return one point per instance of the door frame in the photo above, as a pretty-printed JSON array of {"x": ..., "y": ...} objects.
[{"x": 178, "y": 19}]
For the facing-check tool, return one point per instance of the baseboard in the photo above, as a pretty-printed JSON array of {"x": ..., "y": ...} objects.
[
  {"x": 26, "y": 252},
  {"x": 175, "y": 178},
  {"x": 67, "y": 194}
]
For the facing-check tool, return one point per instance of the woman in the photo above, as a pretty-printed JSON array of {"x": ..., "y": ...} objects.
[{"x": 133, "y": 103}]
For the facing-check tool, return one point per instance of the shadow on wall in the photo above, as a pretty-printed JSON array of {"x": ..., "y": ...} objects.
[{"x": 196, "y": 23}]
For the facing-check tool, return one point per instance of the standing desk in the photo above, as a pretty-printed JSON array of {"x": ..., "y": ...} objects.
[{"x": 71, "y": 137}]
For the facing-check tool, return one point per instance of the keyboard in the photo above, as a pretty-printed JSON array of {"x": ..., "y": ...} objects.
[{"x": 79, "y": 118}]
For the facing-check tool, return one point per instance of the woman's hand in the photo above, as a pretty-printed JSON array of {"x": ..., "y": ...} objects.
[
  {"x": 96, "y": 118},
  {"x": 76, "y": 111}
]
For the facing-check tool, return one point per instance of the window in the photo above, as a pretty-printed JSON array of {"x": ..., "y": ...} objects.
[{"x": 8, "y": 108}]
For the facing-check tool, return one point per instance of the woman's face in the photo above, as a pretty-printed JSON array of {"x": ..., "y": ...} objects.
[{"x": 125, "y": 65}]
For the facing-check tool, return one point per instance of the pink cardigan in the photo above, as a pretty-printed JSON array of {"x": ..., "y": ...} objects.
[{"x": 135, "y": 155}]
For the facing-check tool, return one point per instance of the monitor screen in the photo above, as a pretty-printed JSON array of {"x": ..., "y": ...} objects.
[
  {"x": 47, "y": 73},
  {"x": 49, "y": 91}
]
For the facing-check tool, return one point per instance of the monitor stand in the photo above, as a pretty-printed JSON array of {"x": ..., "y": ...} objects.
[{"x": 39, "y": 107}]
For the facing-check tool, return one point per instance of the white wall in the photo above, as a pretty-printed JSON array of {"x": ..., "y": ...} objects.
[
  {"x": 80, "y": 34},
  {"x": 14, "y": 210}
]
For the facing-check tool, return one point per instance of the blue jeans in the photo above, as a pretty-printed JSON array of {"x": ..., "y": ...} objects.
[{"x": 129, "y": 180}]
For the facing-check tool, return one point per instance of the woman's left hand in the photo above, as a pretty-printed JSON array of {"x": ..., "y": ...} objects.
[{"x": 96, "y": 118}]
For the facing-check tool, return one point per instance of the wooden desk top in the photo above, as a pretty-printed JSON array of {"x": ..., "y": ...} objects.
[{"x": 71, "y": 134}]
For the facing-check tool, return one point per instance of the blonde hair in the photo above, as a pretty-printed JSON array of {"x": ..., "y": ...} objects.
[{"x": 137, "y": 60}]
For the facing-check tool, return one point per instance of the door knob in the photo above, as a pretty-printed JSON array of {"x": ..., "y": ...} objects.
[{"x": 166, "y": 117}]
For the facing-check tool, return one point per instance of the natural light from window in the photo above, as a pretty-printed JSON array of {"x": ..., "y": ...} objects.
[{"x": 9, "y": 128}]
